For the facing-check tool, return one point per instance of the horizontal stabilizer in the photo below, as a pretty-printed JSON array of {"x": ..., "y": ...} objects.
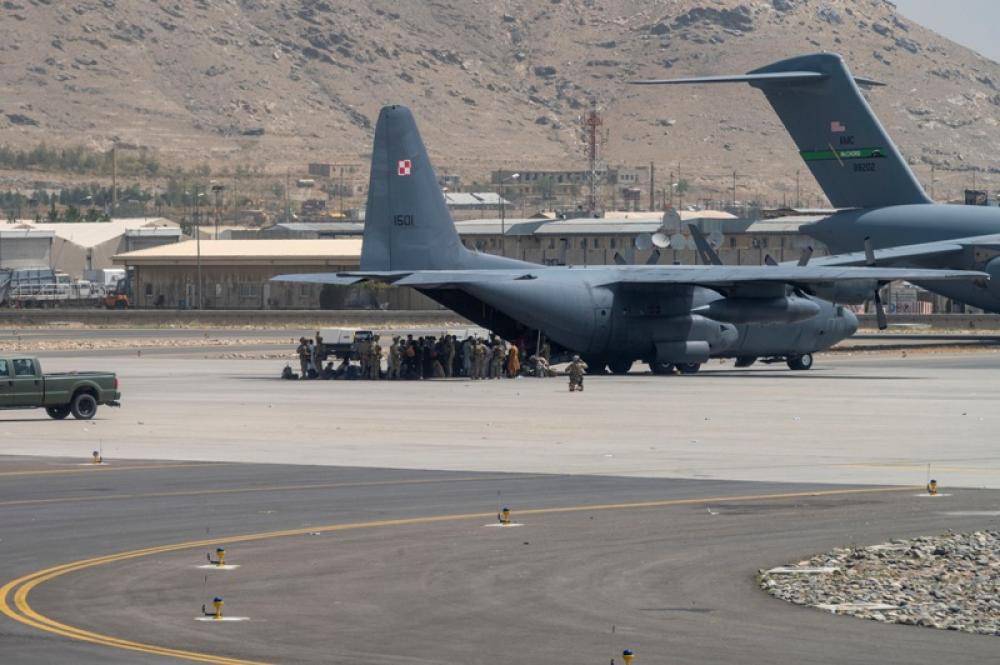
[
  {"x": 770, "y": 77},
  {"x": 429, "y": 279},
  {"x": 760, "y": 79},
  {"x": 339, "y": 278}
]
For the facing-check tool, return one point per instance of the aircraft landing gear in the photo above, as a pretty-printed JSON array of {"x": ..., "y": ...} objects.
[
  {"x": 803, "y": 362},
  {"x": 688, "y": 368},
  {"x": 620, "y": 366},
  {"x": 745, "y": 361},
  {"x": 659, "y": 368}
]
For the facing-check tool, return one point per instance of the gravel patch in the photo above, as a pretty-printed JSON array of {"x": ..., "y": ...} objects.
[{"x": 950, "y": 582}]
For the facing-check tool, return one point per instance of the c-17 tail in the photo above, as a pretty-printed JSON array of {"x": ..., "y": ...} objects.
[{"x": 837, "y": 134}]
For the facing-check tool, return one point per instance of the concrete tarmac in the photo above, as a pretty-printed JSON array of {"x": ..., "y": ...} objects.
[
  {"x": 870, "y": 419},
  {"x": 675, "y": 579}
]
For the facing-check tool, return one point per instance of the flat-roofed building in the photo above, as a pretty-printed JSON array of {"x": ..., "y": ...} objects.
[{"x": 235, "y": 274}]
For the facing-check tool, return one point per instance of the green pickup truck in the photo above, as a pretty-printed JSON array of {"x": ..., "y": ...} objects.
[{"x": 23, "y": 386}]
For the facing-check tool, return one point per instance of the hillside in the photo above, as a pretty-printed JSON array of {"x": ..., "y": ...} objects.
[{"x": 278, "y": 83}]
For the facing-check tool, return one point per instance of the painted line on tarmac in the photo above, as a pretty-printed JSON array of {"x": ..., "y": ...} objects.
[
  {"x": 90, "y": 467},
  {"x": 22, "y": 587},
  {"x": 265, "y": 488}
]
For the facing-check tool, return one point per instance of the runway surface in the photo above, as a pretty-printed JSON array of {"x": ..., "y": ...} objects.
[
  {"x": 869, "y": 419},
  {"x": 675, "y": 576}
]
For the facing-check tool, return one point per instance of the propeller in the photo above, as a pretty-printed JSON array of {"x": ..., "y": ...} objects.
[
  {"x": 705, "y": 250},
  {"x": 807, "y": 253},
  {"x": 769, "y": 260},
  {"x": 883, "y": 322},
  {"x": 620, "y": 260},
  {"x": 654, "y": 258}
]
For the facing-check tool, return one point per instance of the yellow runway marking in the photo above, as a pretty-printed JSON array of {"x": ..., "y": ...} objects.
[
  {"x": 265, "y": 488},
  {"x": 85, "y": 468},
  {"x": 23, "y": 586}
]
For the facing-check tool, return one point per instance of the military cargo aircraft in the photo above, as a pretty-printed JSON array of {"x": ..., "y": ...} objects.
[
  {"x": 611, "y": 315},
  {"x": 884, "y": 215}
]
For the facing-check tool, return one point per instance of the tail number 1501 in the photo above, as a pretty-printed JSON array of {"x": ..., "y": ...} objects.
[{"x": 403, "y": 220}]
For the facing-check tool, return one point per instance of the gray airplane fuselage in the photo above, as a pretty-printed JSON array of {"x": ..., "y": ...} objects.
[
  {"x": 607, "y": 324},
  {"x": 917, "y": 223}
]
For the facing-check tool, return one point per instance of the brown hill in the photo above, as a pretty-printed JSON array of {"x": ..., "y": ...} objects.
[{"x": 257, "y": 82}]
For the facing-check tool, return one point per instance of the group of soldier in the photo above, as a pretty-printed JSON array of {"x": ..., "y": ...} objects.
[{"x": 429, "y": 357}]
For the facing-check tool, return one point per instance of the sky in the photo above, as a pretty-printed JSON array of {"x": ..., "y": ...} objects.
[{"x": 971, "y": 23}]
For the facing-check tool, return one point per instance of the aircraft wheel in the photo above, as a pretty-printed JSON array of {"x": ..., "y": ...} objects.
[
  {"x": 688, "y": 368},
  {"x": 803, "y": 362},
  {"x": 596, "y": 366},
  {"x": 620, "y": 366},
  {"x": 660, "y": 368},
  {"x": 745, "y": 361}
]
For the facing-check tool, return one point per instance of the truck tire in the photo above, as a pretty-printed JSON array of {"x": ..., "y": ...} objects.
[
  {"x": 84, "y": 406},
  {"x": 57, "y": 412}
]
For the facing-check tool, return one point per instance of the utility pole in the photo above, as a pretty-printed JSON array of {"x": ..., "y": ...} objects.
[
  {"x": 340, "y": 190},
  {"x": 932, "y": 182},
  {"x": 652, "y": 187},
  {"x": 797, "y": 203},
  {"x": 288, "y": 204},
  {"x": 114, "y": 177},
  {"x": 734, "y": 189},
  {"x": 670, "y": 186},
  {"x": 197, "y": 236}
]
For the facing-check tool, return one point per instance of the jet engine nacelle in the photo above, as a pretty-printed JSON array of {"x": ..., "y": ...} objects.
[
  {"x": 993, "y": 270},
  {"x": 848, "y": 292},
  {"x": 759, "y": 310},
  {"x": 692, "y": 339}
]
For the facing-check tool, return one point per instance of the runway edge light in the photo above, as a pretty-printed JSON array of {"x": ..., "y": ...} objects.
[{"x": 628, "y": 656}]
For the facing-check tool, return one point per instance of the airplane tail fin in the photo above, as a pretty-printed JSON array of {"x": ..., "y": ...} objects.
[
  {"x": 838, "y": 136},
  {"x": 407, "y": 223}
]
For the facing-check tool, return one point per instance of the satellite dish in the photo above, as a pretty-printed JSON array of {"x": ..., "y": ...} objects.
[
  {"x": 661, "y": 240},
  {"x": 643, "y": 241},
  {"x": 715, "y": 238},
  {"x": 678, "y": 241}
]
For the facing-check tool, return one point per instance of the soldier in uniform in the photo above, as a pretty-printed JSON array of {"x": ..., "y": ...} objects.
[
  {"x": 575, "y": 371},
  {"x": 478, "y": 359},
  {"x": 304, "y": 357},
  {"x": 395, "y": 359},
  {"x": 364, "y": 349},
  {"x": 375, "y": 359},
  {"x": 499, "y": 354}
]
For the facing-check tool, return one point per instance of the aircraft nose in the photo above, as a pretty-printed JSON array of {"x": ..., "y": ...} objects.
[{"x": 850, "y": 322}]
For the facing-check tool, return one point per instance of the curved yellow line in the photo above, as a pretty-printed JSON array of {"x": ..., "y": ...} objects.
[{"x": 23, "y": 586}]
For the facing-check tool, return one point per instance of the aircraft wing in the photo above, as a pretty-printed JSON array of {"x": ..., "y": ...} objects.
[
  {"x": 928, "y": 253},
  {"x": 746, "y": 278}
]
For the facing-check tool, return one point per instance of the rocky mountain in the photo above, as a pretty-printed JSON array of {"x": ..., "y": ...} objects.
[{"x": 494, "y": 83}]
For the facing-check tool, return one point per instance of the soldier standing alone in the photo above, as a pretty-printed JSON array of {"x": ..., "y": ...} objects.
[
  {"x": 575, "y": 371},
  {"x": 303, "y": 351}
]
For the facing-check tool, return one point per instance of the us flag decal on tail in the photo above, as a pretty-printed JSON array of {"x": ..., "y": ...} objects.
[
  {"x": 837, "y": 127},
  {"x": 403, "y": 167}
]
